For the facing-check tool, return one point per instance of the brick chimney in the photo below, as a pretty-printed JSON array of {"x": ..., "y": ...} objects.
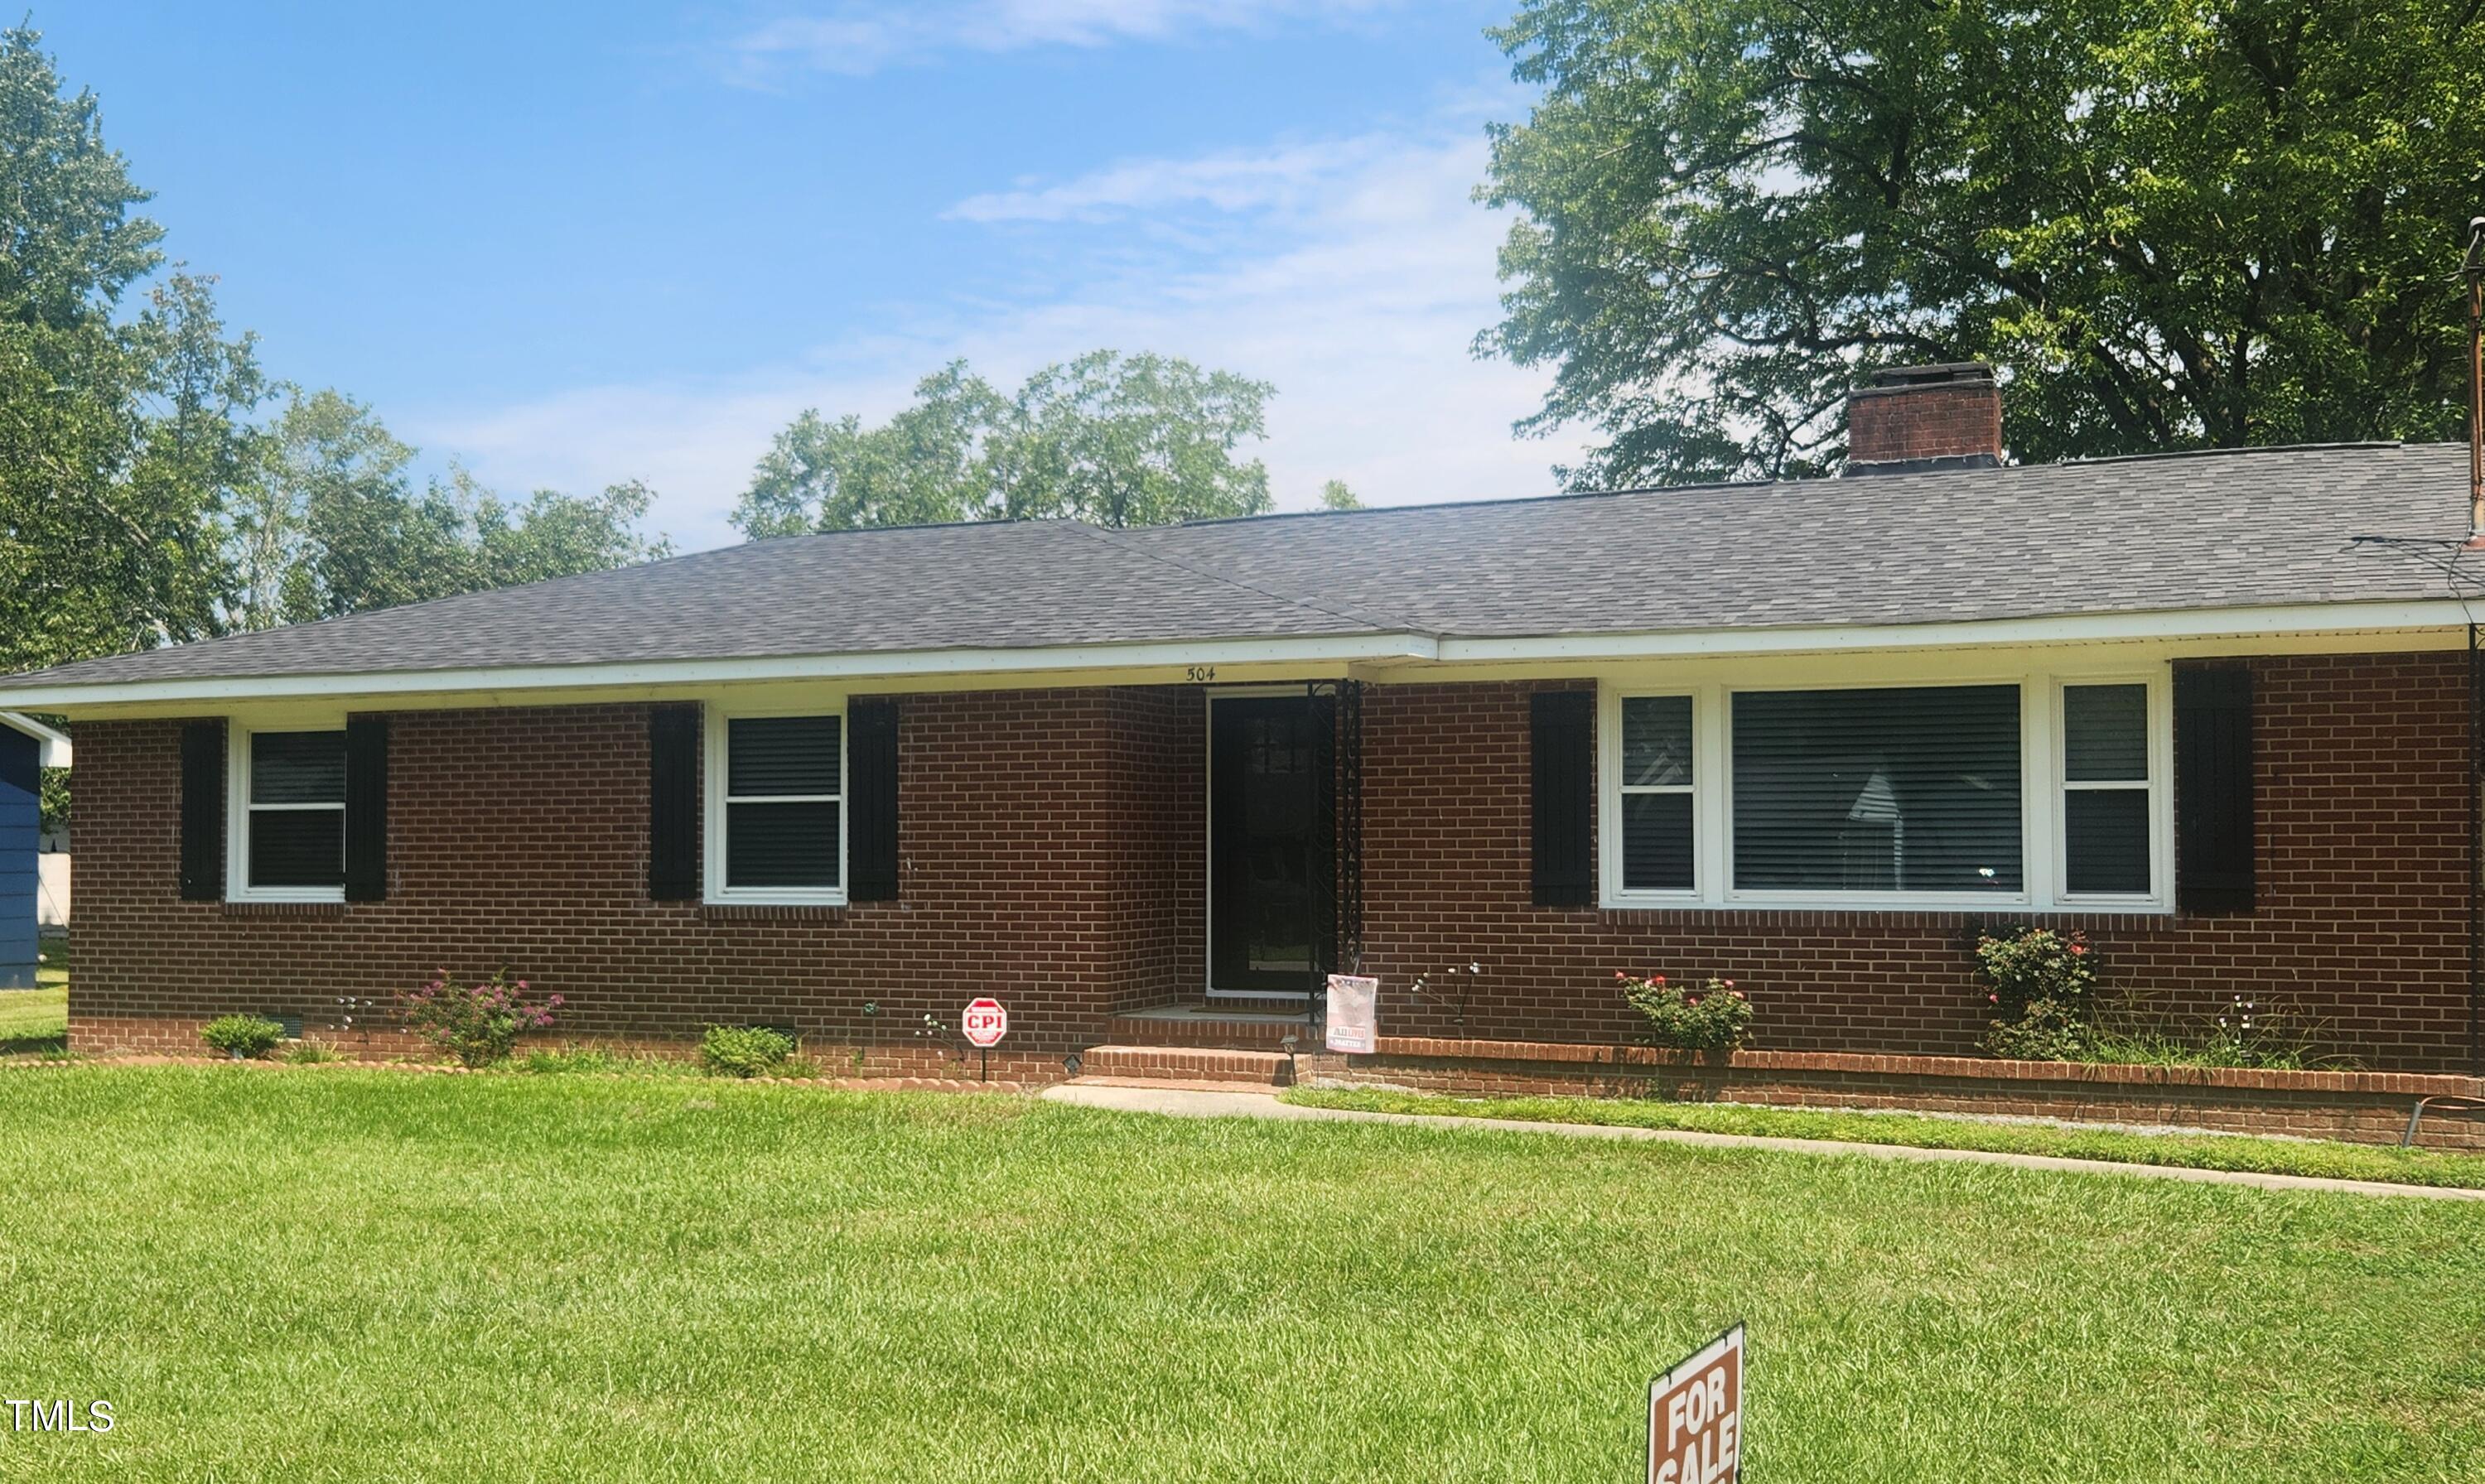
[{"x": 1915, "y": 418}]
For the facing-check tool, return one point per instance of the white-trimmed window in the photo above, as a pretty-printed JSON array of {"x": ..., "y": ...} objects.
[
  {"x": 2109, "y": 791},
  {"x": 777, "y": 809},
  {"x": 1660, "y": 833},
  {"x": 2044, "y": 793},
  {"x": 1902, "y": 790},
  {"x": 288, "y": 809}
]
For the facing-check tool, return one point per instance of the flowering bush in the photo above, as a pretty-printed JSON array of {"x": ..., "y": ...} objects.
[
  {"x": 478, "y": 1024},
  {"x": 1713, "y": 1017},
  {"x": 2042, "y": 985}
]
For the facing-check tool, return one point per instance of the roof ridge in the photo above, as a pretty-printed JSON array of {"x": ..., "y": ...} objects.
[
  {"x": 1113, "y": 539},
  {"x": 2226, "y": 452}
]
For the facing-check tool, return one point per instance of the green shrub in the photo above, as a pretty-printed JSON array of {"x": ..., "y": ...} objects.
[
  {"x": 242, "y": 1036},
  {"x": 2042, "y": 1032},
  {"x": 1713, "y": 1017},
  {"x": 744, "y": 1050},
  {"x": 478, "y": 1024}
]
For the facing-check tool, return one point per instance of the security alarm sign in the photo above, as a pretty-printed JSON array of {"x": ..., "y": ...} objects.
[
  {"x": 984, "y": 1024},
  {"x": 1695, "y": 1416}
]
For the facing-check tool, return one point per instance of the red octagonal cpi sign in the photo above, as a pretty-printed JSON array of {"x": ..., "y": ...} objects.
[{"x": 985, "y": 1022}]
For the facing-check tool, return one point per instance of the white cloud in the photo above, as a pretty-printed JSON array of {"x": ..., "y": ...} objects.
[
  {"x": 1352, "y": 274},
  {"x": 1284, "y": 178},
  {"x": 859, "y": 38}
]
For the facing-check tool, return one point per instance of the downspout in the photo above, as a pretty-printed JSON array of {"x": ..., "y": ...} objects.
[{"x": 2472, "y": 268}]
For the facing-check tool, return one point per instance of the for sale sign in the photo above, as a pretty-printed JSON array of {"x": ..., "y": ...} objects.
[
  {"x": 984, "y": 1024},
  {"x": 1695, "y": 1416}
]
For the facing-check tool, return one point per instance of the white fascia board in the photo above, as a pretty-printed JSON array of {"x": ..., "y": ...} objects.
[
  {"x": 54, "y": 745},
  {"x": 2433, "y": 614},
  {"x": 1345, "y": 649}
]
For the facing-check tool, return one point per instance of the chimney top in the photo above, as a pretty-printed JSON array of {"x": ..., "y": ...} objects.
[{"x": 1917, "y": 418}]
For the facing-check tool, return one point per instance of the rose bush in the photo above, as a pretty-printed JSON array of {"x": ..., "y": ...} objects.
[
  {"x": 1712, "y": 1017},
  {"x": 2042, "y": 986}
]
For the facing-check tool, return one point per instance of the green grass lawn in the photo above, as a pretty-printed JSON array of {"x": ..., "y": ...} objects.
[
  {"x": 340, "y": 1274},
  {"x": 2322, "y": 1159},
  {"x": 37, "y": 1020}
]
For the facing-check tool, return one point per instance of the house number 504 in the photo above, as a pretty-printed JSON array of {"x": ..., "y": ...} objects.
[{"x": 1200, "y": 672}]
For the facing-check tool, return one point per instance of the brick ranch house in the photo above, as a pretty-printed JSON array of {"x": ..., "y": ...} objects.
[{"x": 1148, "y": 785}]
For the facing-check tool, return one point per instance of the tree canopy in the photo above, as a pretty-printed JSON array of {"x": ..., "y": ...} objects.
[
  {"x": 114, "y": 443},
  {"x": 1112, "y": 439},
  {"x": 2179, "y": 224},
  {"x": 336, "y": 525},
  {"x": 155, "y": 486}
]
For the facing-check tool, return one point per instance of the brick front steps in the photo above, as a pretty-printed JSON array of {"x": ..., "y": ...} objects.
[
  {"x": 1188, "y": 1063},
  {"x": 1212, "y": 1025},
  {"x": 2359, "y": 1106}
]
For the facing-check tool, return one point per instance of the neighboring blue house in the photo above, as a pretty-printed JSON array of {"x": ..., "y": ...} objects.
[{"x": 27, "y": 747}]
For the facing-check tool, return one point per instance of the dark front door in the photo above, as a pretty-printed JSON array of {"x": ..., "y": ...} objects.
[{"x": 1266, "y": 845}]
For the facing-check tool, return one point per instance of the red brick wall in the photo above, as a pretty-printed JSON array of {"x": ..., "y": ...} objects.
[
  {"x": 1158, "y": 909},
  {"x": 1923, "y": 422},
  {"x": 1052, "y": 844},
  {"x": 2359, "y": 932},
  {"x": 1031, "y": 869}
]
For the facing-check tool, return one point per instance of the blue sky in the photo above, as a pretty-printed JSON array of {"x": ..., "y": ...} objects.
[{"x": 572, "y": 243}]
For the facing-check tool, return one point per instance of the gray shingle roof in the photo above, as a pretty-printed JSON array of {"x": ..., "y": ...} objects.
[
  {"x": 2218, "y": 529},
  {"x": 2266, "y": 527}
]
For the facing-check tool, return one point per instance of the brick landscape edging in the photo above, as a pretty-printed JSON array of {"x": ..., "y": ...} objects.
[
  {"x": 2321, "y": 1080},
  {"x": 2361, "y": 1106}
]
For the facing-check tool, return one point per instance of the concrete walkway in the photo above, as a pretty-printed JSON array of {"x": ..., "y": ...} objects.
[{"x": 1239, "y": 1103}]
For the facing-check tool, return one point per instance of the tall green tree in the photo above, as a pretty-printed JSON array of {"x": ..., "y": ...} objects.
[
  {"x": 2175, "y": 223},
  {"x": 338, "y": 525},
  {"x": 121, "y": 428},
  {"x": 1115, "y": 440}
]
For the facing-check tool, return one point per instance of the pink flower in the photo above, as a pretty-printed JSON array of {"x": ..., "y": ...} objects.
[
  {"x": 1730, "y": 983},
  {"x": 2079, "y": 948},
  {"x": 1993, "y": 999},
  {"x": 1658, "y": 980}
]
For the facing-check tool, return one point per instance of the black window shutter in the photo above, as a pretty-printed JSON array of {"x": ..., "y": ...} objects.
[
  {"x": 672, "y": 803},
  {"x": 2213, "y": 789},
  {"x": 871, "y": 777},
  {"x": 1563, "y": 778},
  {"x": 367, "y": 741},
  {"x": 203, "y": 811}
]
